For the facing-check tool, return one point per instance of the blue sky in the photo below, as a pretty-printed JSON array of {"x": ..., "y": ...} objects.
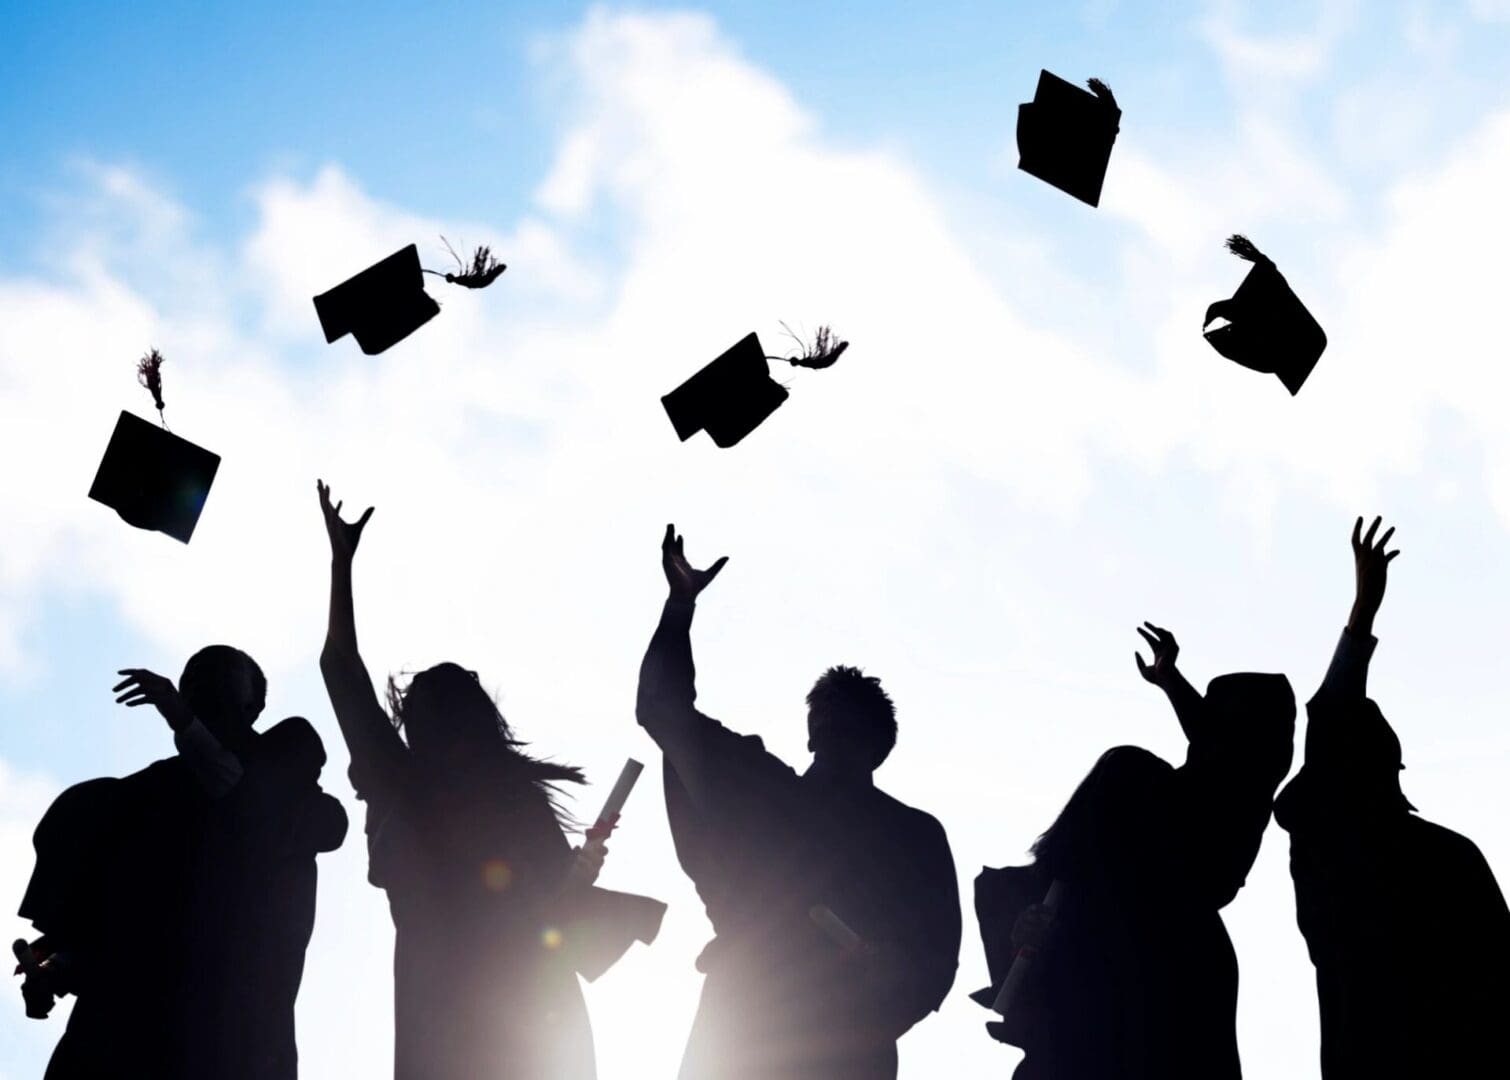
[{"x": 1027, "y": 451}]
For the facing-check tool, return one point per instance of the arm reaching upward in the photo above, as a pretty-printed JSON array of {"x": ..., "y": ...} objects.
[
  {"x": 217, "y": 768},
  {"x": 375, "y": 746},
  {"x": 666, "y": 701},
  {"x": 1164, "y": 674},
  {"x": 1347, "y": 675}
]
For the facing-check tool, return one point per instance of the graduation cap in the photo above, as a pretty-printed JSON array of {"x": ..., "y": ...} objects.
[
  {"x": 731, "y": 396},
  {"x": 387, "y": 302},
  {"x": 150, "y": 477},
  {"x": 1065, "y": 135},
  {"x": 1267, "y": 328}
]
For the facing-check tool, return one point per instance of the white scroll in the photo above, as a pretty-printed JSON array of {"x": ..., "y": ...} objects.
[{"x": 1022, "y": 963}]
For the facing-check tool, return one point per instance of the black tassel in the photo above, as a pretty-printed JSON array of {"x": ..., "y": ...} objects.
[
  {"x": 1102, "y": 91},
  {"x": 820, "y": 353},
  {"x": 149, "y": 372},
  {"x": 1243, "y": 248},
  {"x": 483, "y": 271}
]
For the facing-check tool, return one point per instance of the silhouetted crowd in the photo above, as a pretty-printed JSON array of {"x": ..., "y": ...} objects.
[{"x": 176, "y": 904}]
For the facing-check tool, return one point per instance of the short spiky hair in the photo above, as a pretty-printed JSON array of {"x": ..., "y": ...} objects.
[{"x": 850, "y": 706}]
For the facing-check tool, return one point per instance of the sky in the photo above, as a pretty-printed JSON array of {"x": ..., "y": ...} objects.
[{"x": 1027, "y": 450}]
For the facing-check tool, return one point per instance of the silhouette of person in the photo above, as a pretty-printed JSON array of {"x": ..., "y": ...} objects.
[
  {"x": 494, "y": 912},
  {"x": 1134, "y": 975},
  {"x": 177, "y": 903},
  {"x": 764, "y": 844},
  {"x": 1395, "y": 1000}
]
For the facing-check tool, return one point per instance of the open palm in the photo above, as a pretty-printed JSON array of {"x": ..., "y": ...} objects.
[
  {"x": 344, "y": 535},
  {"x": 684, "y": 580}
]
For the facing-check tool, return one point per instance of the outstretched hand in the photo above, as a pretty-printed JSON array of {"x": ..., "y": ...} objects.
[
  {"x": 344, "y": 535},
  {"x": 1371, "y": 568},
  {"x": 1166, "y": 650},
  {"x": 143, "y": 687},
  {"x": 684, "y": 581}
]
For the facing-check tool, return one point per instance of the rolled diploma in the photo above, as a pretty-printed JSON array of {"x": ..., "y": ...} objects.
[
  {"x": 1022, "y": 963},
  {"x": 621, "y": 789},
  {"x": 835, "y": 927},
  {"x": 21, "y": 948},
  {"x": 611, "y": 808}
]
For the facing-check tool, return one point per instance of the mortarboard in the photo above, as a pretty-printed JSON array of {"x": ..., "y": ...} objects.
[
  {"x": 152, "y": 478},
  {"x": 387, "y": 302},
  {"x": 1268, "y": 329},
  {"x": 1065, "y": 135},
  {"x": 731, "y": 396}
]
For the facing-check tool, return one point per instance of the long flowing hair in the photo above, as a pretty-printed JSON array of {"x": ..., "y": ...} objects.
[
  {"x": 444, "y": 711},
  {"x": 1104, "y": 828}
]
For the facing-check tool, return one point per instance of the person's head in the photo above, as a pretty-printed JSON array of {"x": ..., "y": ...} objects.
[
  {"x": 1116, "y": 813},
  {"x": 1365, "y": 765},
  {"x": 225, "y": 689},
  {"x": 452, "y": 724},
  {"x": 1255, "y": 713},
  {"x": 445, "y": 712},
  {"x": 851, "y": 722}
]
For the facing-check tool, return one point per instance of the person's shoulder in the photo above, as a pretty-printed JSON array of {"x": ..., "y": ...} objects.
[
  {"x": 1446, "y": 844},
  {"x": 920, "y": 822},
  {"x": 293, "y": 744},
  {"x": 83, "y": 798}
]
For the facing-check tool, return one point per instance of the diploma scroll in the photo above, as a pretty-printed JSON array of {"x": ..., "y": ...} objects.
[
  {"x": 836, "y": 928},
  {"x": 1022, "y": 963},
  {"x": 38, "y": 1003},
  {"x": 612, "y": 807},
  {"x": 628, "y": 775}
]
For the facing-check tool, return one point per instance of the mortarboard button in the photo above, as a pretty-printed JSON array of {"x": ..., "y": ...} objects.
[
  {"x": 732, "y": 396},
  {"x": 152, "y": 478},
  {"x": 1267, "y": 328},
  {"x": 1065, "y": 135},
  {"x": 387, "y": 302}
]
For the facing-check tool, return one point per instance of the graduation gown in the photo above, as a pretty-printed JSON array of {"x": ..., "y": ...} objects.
[
  {"x": 1139, "y": 978},
  {"x": 187, "y": 914},
  {"x": 763, "y": 845},
  {"x": 1403, "y": 919},
  {"x": 487, "y": 946}
]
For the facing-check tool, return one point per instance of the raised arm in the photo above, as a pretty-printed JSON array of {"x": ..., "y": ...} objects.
[
  {"x": 217, "y": 768},
  {"x": 375, "y": 746},
  {"x": 1347, "y": 675},
  {"x": 1164, "y": 674},
  {"x": 666, "y": 701}
]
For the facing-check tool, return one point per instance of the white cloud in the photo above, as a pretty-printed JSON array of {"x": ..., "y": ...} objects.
[
  {"x": 522, "y": 466},
  {"x": 1255, "y": 59}
]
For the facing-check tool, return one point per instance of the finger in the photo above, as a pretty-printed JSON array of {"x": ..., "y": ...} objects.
[
  {"x": 1161, "y": 631},
  {"x": 118, "y": 687},
  {"x": 1153, "y": 642},
  {"x": 1385, "y": 538},
  {"x": 716, "y": 567},
  {"x": 666, "y": 541},
  {"x": 339, "y": 505},
  {"x": 1368, "y": 537},
  {"x": 131, "y": 701},
  {"x": 1358, "y": 532},
  {"x": 1391, "y": 555},
  {"x": 362, "y": 521},
  {"x": 1142, "y": 666}
]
